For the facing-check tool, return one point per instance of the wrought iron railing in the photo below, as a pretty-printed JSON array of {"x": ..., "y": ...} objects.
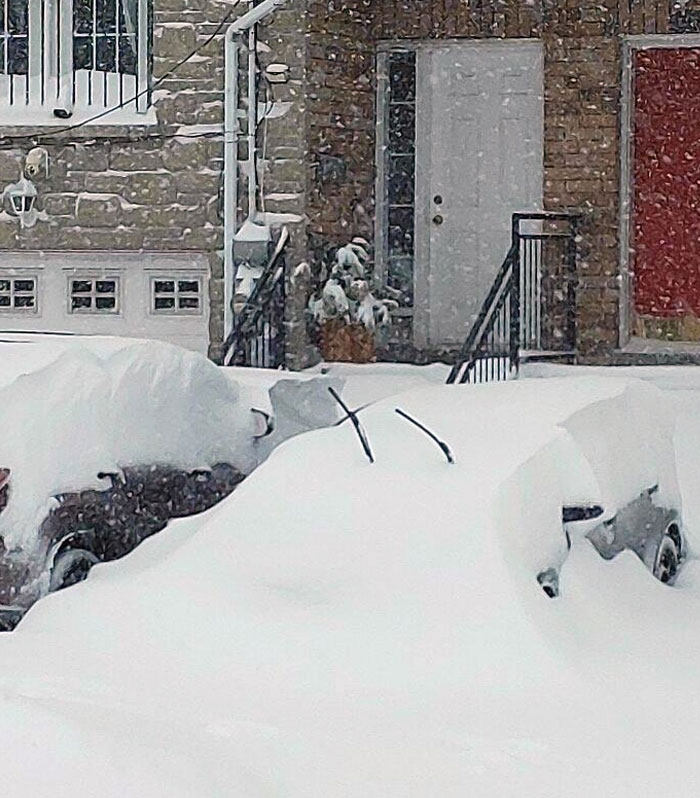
[
  {"x": 258, "y": 335},
  {"x": 530, "y": 310}
]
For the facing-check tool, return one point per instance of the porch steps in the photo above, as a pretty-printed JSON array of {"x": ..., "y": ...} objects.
[
  {"x": 620, "y": 357},
  {"x": 544, "y": 356}
]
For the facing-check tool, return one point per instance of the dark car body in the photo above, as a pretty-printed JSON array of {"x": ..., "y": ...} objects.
[{"x": 93, "y": 526}]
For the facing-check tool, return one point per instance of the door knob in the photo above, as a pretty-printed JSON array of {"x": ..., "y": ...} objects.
[{"x": 438, "y": 219}]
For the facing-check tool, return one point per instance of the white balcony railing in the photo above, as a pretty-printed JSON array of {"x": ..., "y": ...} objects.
[{"x": 64, "y": 61}]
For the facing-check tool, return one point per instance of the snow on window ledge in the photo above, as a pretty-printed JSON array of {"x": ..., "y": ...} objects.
[{"x": 28, "y": 116}]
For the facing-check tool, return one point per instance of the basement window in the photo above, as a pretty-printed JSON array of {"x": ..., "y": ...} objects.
[
  {"x": 91, "y": 295},
  {"x": 176, "y": 295},
  {"x": 18, "y": 294}
]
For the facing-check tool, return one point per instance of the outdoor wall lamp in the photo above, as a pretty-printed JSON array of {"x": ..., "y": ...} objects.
[{"x": 19, "y": 199}]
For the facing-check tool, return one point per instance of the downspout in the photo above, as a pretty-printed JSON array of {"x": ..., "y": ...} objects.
[{"x": 232, "y": 45}]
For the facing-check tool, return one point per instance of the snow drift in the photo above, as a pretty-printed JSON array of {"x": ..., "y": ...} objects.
[{"x": 341, "y": 629}]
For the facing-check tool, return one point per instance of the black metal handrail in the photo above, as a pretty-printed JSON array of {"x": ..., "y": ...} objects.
[
  {"x": 531, "y": 305},
  {"x": 258, "y": 334}
]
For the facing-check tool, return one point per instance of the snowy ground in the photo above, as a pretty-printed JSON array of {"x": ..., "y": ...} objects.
[{"x": 338, "y": 629}]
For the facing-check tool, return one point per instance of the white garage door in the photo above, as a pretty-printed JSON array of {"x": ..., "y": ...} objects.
[{"x": 158, "y": 296}]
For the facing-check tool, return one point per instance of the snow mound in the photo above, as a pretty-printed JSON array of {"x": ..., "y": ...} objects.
[
  {"x": 336, "y": 628},
  {"x": 147, "y": 403}
]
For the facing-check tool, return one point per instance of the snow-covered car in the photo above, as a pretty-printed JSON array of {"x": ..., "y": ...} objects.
[
  {"x": 612, "y": 467},
  {"x": 337, "y": 627},
  {"x": 105, "y": 440},
  {"x": 652, "y": 531}
]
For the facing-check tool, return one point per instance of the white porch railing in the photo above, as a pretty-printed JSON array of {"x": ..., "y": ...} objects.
[{"x": 66, "y": 60}]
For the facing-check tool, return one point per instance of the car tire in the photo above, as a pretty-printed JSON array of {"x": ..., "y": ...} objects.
[
  {"x": 666, "y": 560},
  {"x": 71, "y": 566}
]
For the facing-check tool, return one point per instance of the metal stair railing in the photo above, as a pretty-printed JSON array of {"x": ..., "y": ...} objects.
[
  {"x": 257, "y": 338},
  {"x": 530, "y": 310}
]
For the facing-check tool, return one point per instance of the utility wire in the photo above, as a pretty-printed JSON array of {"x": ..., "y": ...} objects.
[{"x": 41, "y": 138}]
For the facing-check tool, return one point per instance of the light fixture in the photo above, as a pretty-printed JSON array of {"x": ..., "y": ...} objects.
[{"x": 19, "y": 199}]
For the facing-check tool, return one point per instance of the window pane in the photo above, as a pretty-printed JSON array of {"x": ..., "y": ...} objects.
[
  {"x": 17, "y": 60},
  {"x": 82, "y": 52},
  {"x": 105, "y": 59},
  {"x": 127, "y": 55},
  {"x": 402, "y": 128},
  {"x": 81, "y": 286},
  {"x": 17, "y": 16},
  {"x": 82, "y": 16},
  {"x": 401, "y": 276},
  {"x": 188, "y": 302},
  {"x": 24, "y": 301},
  {"x": 4, "y": 285},
  {"x": 24, "y": 285},
  {"x": 401, "y": 231},
  {"x": 81, "y": 302},
  {"x": 188, "y": 286},
  {"x": 105, "y": 302},
  {"x": 402, "y": 77},
  {"x": 164, "y": 303},
  {"x": 400, "y": 185},
  {"x": 106, "y": 16},
  {"x": 164, "y": 286},
  {"x": 400, "y": 181},
  {"x": 106, "y": 286},
  {"x": 4, "y": 301}
]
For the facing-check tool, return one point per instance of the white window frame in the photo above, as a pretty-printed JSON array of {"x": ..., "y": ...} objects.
[
  {"x": 11, "y": 309},
  {"x": 176, "y": 310},
  {"x": 93, "y": 278},
  {"x": 54, "y": 93}
]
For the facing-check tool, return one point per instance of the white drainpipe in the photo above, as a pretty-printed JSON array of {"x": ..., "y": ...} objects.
[{"x": 232, "y": 44}]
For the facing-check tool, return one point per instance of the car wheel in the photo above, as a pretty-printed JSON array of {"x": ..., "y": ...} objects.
[
  {"x": 666, "y": 560},
  {"x": 70, "y": 567}
]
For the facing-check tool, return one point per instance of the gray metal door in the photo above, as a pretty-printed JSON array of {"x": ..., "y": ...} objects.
[{"x": 479, "y": 159}]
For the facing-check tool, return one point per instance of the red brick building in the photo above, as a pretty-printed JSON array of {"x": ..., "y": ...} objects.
[{"x": 427, "y": 123}]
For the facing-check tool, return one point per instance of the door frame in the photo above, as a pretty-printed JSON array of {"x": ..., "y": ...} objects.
[
  {"x": 630, "y": 46},
  {"x": 421, "y": 252}
]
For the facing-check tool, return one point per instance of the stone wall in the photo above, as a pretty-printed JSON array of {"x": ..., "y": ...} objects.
[{"x": 118, "y": 188}]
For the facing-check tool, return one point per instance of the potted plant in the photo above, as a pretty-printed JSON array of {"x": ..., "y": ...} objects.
[{"x": 347, "y": 311}]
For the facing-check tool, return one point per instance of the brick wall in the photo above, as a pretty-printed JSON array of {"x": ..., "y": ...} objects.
[
  {"x": 341, "y": 118},
  {"x": 582, "y": 46}
]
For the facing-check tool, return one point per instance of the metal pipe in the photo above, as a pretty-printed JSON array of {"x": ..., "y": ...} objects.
[
  {"x": 252, "y": 123},
  {"x": 253, "y": 16},
  {"x": 232, "y": 44},
  {"x": 231, "y": 129}
]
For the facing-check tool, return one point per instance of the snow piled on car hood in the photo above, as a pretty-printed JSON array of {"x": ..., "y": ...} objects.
[
  {"x": 336, "y": 628},
  {"x": 147, "y": 403}
]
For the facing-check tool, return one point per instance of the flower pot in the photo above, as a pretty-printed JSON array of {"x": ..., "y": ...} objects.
[{"x": 347, "y": 343}]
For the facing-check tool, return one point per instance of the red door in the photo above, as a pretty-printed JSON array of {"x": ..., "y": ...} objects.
[{"x": 666, "y": 209}]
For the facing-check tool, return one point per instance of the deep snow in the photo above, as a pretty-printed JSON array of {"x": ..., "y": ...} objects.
[{"x": 341, "y": 629}]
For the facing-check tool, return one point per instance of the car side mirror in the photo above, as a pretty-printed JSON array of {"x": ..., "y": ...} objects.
[{"x": 265, "y": 421}]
